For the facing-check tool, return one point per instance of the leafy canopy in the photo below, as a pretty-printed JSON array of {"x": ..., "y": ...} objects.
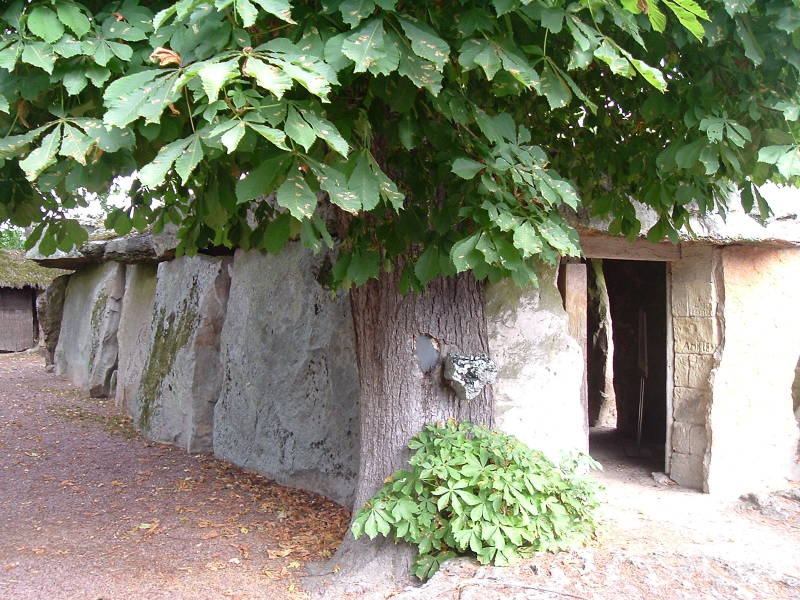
[
  {"x": 471, "y": 491},
  {"x": 439, "y": 136}
]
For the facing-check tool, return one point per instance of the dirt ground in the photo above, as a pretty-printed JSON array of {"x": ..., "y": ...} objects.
[{"x": 90, "y": 511}]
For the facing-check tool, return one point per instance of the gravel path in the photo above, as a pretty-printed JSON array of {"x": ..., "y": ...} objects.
[{"x": 88, "y": 510}]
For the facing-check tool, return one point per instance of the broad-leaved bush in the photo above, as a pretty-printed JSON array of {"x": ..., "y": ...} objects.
[{"x": 472, "y": 491}]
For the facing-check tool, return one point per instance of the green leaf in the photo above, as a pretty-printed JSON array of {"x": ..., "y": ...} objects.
[
  {"x": 246, "y": 12},
  {"x": 527, "y": 240},
  {"x": 75, "y": 143},
  {"x": 789, "y": 163},
  {"x": 421, "y": 72},
  {"x": 366, "y": 47},
  {"x": 44, "y": 23},
  {"x": 144, "y": 94},
  {"x": 554, "y": 88},
  {"x": 363, "y": 267},
  {"x": 267, "y": 76},
  {"x": 355, "y": 11},
  {"x": 772, "y": 154},
  {"x": 327, "y": 131},
  {"x": 42, "y": 157},
  {"x": 277, "y": 233},
  {"x": 155, "y": 173},
  {"x": 231, "y": 138},
  {"x": 365, "y": 184},
  {"x": 215, "y": 75},
  {"x": 280, "y": 8},
  {"x": 187, "y": 162},
  {"x": 426, "y": 43},
  {"x": 652, "y": 75},
  {"x": 261, "y": 181},
  {"x": 427, "y": 266},
  {"x": 72, "y": 16},
  {"x": 295, "y": 195},
  {"x": 466, "y": 168},
  {"x": 39, "y": 54},
  {"x": 463, "y": 253},
  {"x": 298, "y": 129},
  {"x": 276, "y": 136}
]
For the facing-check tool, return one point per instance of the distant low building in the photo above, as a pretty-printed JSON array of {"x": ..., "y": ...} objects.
[{"x": 21, "y": 280}]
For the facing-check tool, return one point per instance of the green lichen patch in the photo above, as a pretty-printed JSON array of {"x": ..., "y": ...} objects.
[
  {"x": 16, "y": 271},
  {"x": 171, "y": 333},
  {"x": 98, "y": 311}
]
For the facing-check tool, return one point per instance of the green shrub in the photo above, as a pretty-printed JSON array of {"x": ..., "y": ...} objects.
[{"x": 471, "y": 491}]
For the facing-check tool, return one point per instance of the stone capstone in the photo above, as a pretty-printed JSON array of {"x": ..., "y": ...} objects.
[
  {"x": 288, "y": 407},
  {"x": 181, "y": 378},
  {"x": 87, "y": 343},
  {"x": 133, "y": 248},
  {"x": 468, "y": 375}
]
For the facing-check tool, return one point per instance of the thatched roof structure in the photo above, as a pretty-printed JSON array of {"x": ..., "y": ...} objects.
[{"x": 17, "y": 272}]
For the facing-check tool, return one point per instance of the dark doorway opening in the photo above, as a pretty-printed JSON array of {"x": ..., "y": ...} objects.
[{"x": 627, "y": 361}]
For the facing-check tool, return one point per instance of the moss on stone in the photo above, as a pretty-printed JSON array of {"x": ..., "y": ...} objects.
[
  {"x": 17, "y": 272},
  {"x": 95, "y": 320},
  {"x": 171, "y": 333}
]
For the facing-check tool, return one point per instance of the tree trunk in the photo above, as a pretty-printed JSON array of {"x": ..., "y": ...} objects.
[{"x": 401, "y": 344}]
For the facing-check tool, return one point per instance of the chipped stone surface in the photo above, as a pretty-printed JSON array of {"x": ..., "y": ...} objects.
[
  {"x": 538, "y": 389},
  {"x": 468, "y": 375},
  {"x": 49, "y": 309},
  {"x": 288, "y": 406},
  {"x": 87, "y": 345},
  {"x": 181, "y": 380}
]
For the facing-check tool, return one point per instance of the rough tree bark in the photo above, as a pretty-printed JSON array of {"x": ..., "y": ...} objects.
[{"x": 401, "y": 344}]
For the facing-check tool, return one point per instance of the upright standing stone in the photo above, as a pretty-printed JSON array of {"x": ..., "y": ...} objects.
[
  {"x": 540, "y": 367},
  {"x": 754, "y": 439},
  {"x": 600, "y": 361},
  {"x": 182, "y": 376},
  {"x": 289, "y": 401},
  {"x": 87, "y": 345},
  {"x": 134, "y": 330},
  {"x": 49, "y": 310}
]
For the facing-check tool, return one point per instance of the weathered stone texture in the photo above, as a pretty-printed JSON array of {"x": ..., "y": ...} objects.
[
  {"x": 87, "y": 346},
  {"x": 134, "y": 330},
  {"x": 754, "y": 434},
  {"x": 49, "y": 309},
  {"x": 600, "y": 361},
  {"x": 540, "y": 367},
  {"x": 289, "y": 401},
  {"x": 182, "y": 376}
]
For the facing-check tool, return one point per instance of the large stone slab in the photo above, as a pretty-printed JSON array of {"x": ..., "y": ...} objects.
[
  {"x": 181, "y": 379},
  {"x": 540, "y": 368},
  {"x": 754, "y": 434},
  {"x": 134, "y": 330},
  {"x": 289, "y": 401},
  {"x": 87, "y": 345}
]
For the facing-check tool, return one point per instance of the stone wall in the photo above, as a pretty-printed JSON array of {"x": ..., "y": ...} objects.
[
  {"x": 87, "y": 348},
  {"x": 754, "y": 437},
  {"x": 181, "y": 379},
  {"x": 288, "y": 407},
  {"x": 540, "y": 367},
  {"x": 697, "y": 334},
  {"x": 134, "y": 330}
]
